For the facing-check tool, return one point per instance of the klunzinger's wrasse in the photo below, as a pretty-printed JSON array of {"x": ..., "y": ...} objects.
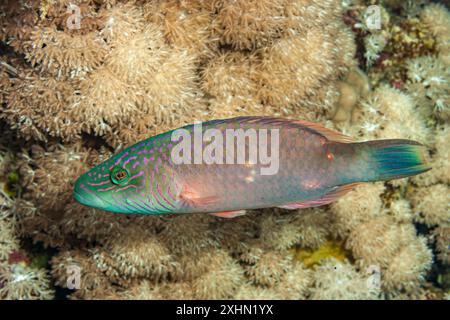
[{"x": 224, "y": 167}]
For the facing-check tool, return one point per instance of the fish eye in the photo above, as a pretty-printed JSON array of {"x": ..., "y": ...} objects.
[{"x": 119, "y": 176}]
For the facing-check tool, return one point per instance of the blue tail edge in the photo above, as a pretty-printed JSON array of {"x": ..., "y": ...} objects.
[{"x": 396, "y": 158}]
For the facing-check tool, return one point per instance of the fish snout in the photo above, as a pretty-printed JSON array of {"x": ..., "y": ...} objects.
[{"x": 86, "y": 196}]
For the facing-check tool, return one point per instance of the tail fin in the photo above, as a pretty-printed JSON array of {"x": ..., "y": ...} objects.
[{"x": 396, "y": 158}]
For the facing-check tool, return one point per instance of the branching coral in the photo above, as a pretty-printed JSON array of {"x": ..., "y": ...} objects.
[
  {"x": 65, "y": 55},
  {"x": 279, "y": 235},
  {"x": 437, "y": 18},
  {"x": 18, "y": 279},
  {"x": 235, "y": 234},
  {"x": 401, "y": 210},
  {"x": 114, "y": 80},
  {"x": 428, "y": 84},
  {"x": 221, "y": 280},
  {"x": 252, "y": 24},
  {"x": 307, "y": 66},
  {"x": 442, "y": 235},
  {"x": 66, "y": 265},
  {"x": 312, "y": 227},
  {"x": 340, "y": 281},
  {"x": 400, "y": 35},
  {"x": 104, "y": 99},
  {"x": 374, "y": 45},
  {"x": 268, "y": 268},
  {"x": 24, "y": 283},
  {"x": 47, "y": 211},
  {"x": 48, "y": 98},
  {"x": 131, "y": 66},
  {"x": 378, "y": 240},
  {"x": 407, "y": 269},
  {"x": 431, "y": 204},
  {"x": 248, "y": 24},
  {"x": 390, "y": 113},
  {"x": 131, "y": 83},
  {"x": 18, "y": 22},
  {"x": 294, "y": 285},
  {"x": 8, "y": 241},
  {"x": 133, "y": 253},
  {"x": 439, "y": 160},
  {"x": 121, "y": 22},
  {"x": 353, "y": 88},
  {"x": 186, "y": 24},
  {"x": 187, "y": 234},
  {"x": 138, "y": 57},
  {"x": 394, "y": 249},
  {"x": 232, "y": 75},
  {"x": 360, "y": 206}
]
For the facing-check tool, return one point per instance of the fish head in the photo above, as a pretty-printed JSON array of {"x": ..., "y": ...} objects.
[{"x": 114, "y": 185}]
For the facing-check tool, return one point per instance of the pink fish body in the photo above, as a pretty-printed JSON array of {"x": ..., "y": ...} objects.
[{"x": 224, "y": 167}]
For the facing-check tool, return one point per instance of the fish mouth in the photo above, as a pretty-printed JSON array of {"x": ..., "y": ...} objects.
[
  {"x": 87, "y": 197},
  {"x": 90, "y": 200},
  {"x": 78, "y": 197}
]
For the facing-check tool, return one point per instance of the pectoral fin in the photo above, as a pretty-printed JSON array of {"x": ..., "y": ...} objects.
[
  {"x": 190, "y": 196},
  {"x": 229, "y": 214},
  {"x": 327, "y": 198}
]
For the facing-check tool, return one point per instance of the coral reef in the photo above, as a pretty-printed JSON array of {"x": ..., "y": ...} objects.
[
  {"x": 428, "y": 83},
  {"x": 19, "y": 279},
  {"x": 442, "y": 240},
  {"x": 427, "y": 205},
  {"x": 334, "y": 280},
  {"x": 72, "y": 94}
]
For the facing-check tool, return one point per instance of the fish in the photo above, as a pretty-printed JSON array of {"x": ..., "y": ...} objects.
[{"x": 225, "y": 167}]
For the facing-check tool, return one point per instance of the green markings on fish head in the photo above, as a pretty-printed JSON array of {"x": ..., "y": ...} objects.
[{"x": 120, "y": 184}]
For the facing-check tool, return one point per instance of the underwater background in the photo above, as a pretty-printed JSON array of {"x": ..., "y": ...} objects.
[{"x": 82, "y": 79}]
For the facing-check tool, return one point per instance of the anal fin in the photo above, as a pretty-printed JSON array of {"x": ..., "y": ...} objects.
[
  {"x": 327, "y": 198},
  {"x": 229, "y": 214}
]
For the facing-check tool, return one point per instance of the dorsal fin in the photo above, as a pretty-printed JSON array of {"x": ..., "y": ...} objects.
[
  {"x": 327, "y": 133},
  {"x": 330, "y": 134},
  {"x": 327, "y": 198}
]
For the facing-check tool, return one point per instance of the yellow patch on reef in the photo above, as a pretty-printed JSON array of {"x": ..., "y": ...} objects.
[
  {"x": 330, "y": 249},
  {"x": 45, "y": 5}
]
